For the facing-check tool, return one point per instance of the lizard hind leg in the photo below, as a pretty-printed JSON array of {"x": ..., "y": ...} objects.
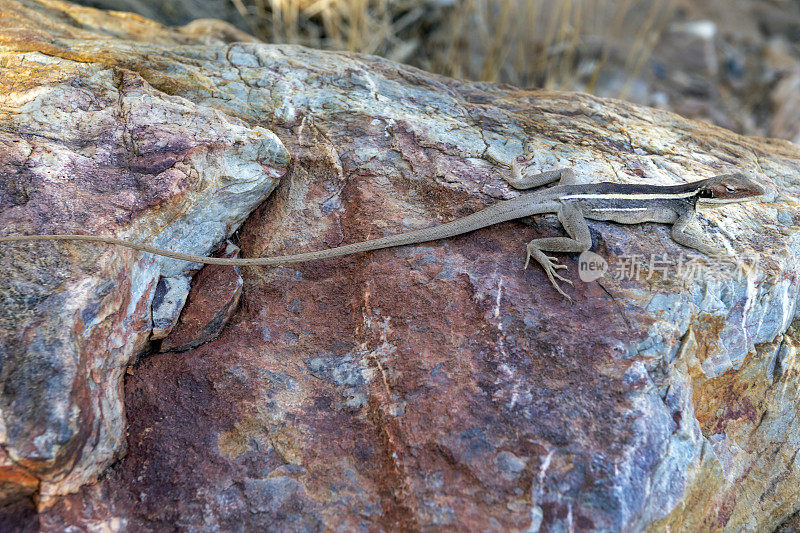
[
  {"x": 549, "y": 264},
  {"x": 579, "y": 240}
]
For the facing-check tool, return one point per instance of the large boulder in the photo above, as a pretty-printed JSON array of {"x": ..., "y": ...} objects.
[{"x": 430, "y": 386}]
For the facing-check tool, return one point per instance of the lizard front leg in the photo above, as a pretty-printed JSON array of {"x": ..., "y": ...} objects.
[
  {"x": 680, "y": 235},
  {"x": 579, "y": 240},
  {"x": 521, "y": 179}
]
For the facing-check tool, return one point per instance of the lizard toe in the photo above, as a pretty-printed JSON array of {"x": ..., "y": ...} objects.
[{"x": 562, "y": 278}]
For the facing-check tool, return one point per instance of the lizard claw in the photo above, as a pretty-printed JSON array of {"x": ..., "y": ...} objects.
[{"x": 550, "y": 266}]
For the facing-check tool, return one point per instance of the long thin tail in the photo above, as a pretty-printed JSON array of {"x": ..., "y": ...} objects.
[{"x": 500, "y": 212}]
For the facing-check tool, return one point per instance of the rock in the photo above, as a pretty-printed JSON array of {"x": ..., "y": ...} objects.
[
  {"x": 786, "y": 100},
  {"x": 430, "y": 386},
  {"x": 278, "y": 496},
  {"x": 784, "y": 67},
  {"x": 19, "y": 516},
  {"x": 790, "y": 525},
  {"x": 91, "y": 147},
  {"x": 212, "y": 300},
  {"x": 710, "y": 60},
  {"x": 691, "y": 45},
  {"x": 168, "y": 302}
]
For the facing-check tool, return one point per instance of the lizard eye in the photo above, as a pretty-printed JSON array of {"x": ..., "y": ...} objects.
[{"x": 730, "y": 188}]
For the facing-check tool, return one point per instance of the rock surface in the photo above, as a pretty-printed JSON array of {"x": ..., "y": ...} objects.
[
  {"x": 432, "y": 386},
  {"x": 92, "y": 147},
  {"x": 210, "y": 304}
]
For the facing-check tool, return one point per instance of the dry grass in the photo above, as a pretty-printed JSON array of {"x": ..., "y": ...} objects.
[{"x": 557, "y": 44}]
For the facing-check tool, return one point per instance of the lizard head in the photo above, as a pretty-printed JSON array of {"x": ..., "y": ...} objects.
[{"x": 729, "y": 188}]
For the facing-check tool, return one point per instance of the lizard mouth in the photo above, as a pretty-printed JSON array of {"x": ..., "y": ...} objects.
[{"x": 722, "y": 201}]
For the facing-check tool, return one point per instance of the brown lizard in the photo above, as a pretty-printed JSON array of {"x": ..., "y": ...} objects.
[{"x": 572, "y": 202}]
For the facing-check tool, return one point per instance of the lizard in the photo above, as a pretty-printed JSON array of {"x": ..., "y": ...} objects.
[{"x": 572, "y": 202}]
